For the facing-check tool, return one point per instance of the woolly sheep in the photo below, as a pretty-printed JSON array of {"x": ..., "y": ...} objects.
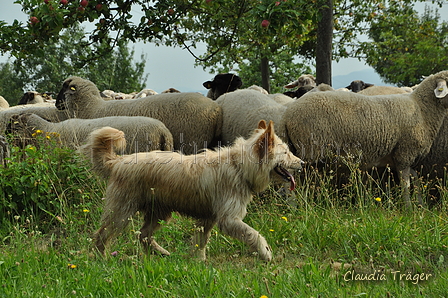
[
  {"x": 193, "y": 119},
  {"x": 4, "y": 104},
  {"x": 358, "y": 85},
  {"x": 143, "y": 134},
  {"x": 222, "y": 83},
  {"x": 243, "y": 109},
  {"x": 382, "y": 90},
  {"x": 45, "y": 110},
  {"x": 31, "y": 97},
  {"x": 392, "y": 130},
  {"x": 145, "y": 93},
  {"x": 303, "y": 80},
  {"x": 170, "y": 90}
]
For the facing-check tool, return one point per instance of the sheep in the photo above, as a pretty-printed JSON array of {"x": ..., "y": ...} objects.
[
  {"x": 4, "y": 104},
  {"x": 193, "y": 119},
  {"x": 394, "y": 130},
  {"x": 145, "y": 93},
  {"x": 31, "y": 97},
  {"x": 299, "y": 92},
  {"x": 45, "y": 110},
  {"x": 303, "y": 80},
  {"x": 222, "y": 83},
  {"x": 143, "y": 134},
  {"x": 358, "y": 85},
  {"x": 170, "y": 90},
  {"x": 382, "y": 90},
  {"x": 243, "y": 109},
  {"x": 308, "y": 88}
]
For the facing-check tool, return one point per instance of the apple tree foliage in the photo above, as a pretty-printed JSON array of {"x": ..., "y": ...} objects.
[
  {"x": 237, "y": 34},
  {"x": 115, "y": 70}
]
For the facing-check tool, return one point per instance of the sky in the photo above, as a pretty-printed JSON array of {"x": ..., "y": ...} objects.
[{"x": 170, "y": 67}]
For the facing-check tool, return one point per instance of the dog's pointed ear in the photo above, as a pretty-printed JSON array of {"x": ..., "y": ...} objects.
[
  {"x": 262, "y": 124},
  {"x": 265, "y": 142}
]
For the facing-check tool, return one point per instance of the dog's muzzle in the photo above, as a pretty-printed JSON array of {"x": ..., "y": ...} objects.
[{"x": 287, "y": 176}]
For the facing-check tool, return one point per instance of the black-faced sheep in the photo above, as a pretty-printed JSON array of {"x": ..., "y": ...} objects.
[
  {"x": 143, "y": 134},
  {"x": 303, "y": 80},
  {"x": 222, "y": 83},
  {"x": 358, "y": 85},
  {"x": 193, "y": 119},
  {"x": 45, "y": 110},
  {"x": 394, "y": 130},
  {"x": 243, "y": 109},
  {"x": 299, "y": 92},
  {"x": 31, "y": 97}
]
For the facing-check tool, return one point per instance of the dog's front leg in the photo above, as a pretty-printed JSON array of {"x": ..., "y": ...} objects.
[
  {"x": 201, "y": 236},
  {"x": 237, "y": 229}
]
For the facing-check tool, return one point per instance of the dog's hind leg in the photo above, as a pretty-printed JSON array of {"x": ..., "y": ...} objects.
[
  {"x": 112, "y": 224},
  {"x": 201, "y": 236},
  {"x": 152, "y": 224},
  {"x": 237, "y": 229}
]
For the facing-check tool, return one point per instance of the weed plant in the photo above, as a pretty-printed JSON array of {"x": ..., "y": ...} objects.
[{"x": 331, "y": 237}]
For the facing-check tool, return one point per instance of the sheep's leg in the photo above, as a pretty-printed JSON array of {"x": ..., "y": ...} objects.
[
  {"x": 405, "y": 182},
  {"x": 237, "y": 229},
  {"x": 113, "y": 222},
  {"x": 201, "y": 236},
  {"x": 152, "y": 224},
  {"x": 419, "y": 192}
]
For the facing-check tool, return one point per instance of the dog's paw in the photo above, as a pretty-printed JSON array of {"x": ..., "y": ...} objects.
[{"x": 264, "y": 250}]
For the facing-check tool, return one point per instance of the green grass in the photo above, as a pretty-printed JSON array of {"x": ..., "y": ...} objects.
[{"x": 323, "y": 238}]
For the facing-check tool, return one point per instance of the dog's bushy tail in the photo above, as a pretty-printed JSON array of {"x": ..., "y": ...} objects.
[{"x": 101, "y": 146}]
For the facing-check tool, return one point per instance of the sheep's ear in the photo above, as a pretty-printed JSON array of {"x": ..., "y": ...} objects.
[
  {"x": 441, "y": 90},
  {"x": 262, "y": 124},
  {"x": 265, "y": 142},
  {"x": 367, "y": 85},
  {"x": 207, "y": 85},
  {"x": 349, "y": 87}
]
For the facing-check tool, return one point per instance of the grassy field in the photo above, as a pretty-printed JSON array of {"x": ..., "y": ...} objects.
[{"x": 353, "y": 241}]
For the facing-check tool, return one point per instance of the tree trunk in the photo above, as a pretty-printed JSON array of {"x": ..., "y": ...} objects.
[
  {"x": 265, "y": 74},
  {"x": 324, "y": 43}
]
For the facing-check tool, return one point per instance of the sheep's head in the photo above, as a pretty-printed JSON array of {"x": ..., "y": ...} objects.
[
  {"x": 303, "y": 80},
  {"x": 358, "y": 85},
  {"x": 441, "y": 90},
  {"x": 19, "y": 128},
  {"x": 30, "y": 97},
  {"x": 222, "y": 83},
  {"x": 75, "y": 87}
]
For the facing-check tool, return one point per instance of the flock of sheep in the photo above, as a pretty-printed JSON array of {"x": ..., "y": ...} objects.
[{"x": 389, "y": 126}]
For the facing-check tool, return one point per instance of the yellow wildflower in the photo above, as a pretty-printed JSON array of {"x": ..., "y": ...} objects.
[
  {"x": 284, "y": 217},
  {"x": 71, "y": 266},
  {"x": 271, "y": 230},
  {"x": 378, "y": 199},
  {"x": 85, "y": 210},
  {"x": 263, "y": 296}
]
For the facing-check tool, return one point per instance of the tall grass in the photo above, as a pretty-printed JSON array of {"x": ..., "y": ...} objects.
[{"x": 326, "y": 236}]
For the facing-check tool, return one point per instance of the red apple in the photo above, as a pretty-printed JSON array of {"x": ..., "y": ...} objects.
[
  {"x": 46, "y": 1},
  {"x": 81, "y": 9},
  {"x": 84, "y": 3},
  {"x": 208, "y": 1},
  {"x": 99, "y": 6},
  {"x": 34, "y": 20},
  {"x": 63, "y": 2},
  {"x": 265, "y": 23},
  {"x": 277, "y": 3},
  {"x": 170, "y": 11}
]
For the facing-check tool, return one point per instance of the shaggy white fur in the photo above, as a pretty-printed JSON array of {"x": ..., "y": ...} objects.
[{"x": 214, "y": 187}]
